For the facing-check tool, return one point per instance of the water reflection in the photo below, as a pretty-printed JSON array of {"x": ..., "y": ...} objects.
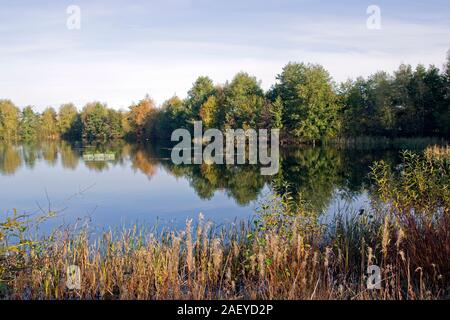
[
  {"x": 242, "y": 183},
  {"x": 10, "y": 159},
  {"x": 313, "y": 174}
]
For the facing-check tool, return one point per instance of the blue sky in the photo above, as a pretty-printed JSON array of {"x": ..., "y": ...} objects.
[{"x": 127, "y": 49}]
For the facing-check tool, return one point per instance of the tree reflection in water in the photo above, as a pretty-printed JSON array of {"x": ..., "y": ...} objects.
[{"x": 310, "y": 173}]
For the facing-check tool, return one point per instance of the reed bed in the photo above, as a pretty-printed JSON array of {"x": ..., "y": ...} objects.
[{"x": 284, "y": 253}]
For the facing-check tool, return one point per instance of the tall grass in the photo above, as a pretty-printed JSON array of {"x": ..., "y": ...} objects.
[
  {"x": 285, "y": 253},
  {"x": 417, "y": 200}
]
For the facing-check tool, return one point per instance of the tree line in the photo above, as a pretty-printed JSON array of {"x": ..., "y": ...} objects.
[{"x": 305, "y": 104}]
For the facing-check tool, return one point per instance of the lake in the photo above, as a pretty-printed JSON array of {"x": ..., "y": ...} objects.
[{"x": 119, "y": 184}]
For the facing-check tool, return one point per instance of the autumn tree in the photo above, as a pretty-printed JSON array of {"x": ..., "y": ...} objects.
[
  {"x": 69, "y": 122},
  {"x": 304, "y": 103},
  {"x": 49, "y": 124},
  {"x": 209, "y": 111},
  {"x": 9, "y": 120},
  {"x": 140, "y": 118},
  {"x": 212, "y": 112}
]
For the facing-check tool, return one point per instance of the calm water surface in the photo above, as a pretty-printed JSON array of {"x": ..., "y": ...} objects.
[{"x": 121, "y": 184}]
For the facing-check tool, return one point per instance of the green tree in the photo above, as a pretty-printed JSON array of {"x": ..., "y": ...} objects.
[
  {"x": 380, "y": 96},
  {"x": 417, "y": 91},
  {"x": 29, "y": 124},
  {"x": 403, "y": 100},
  {"x": 420, "y": 100},
  {"x": 355, "y": 117},
  {"x": 9, "y": 120},
  {"x": 69, "y": 122},
  {"x": 173, "y": 115},
  {"x": 115, "y": 124},
  {"x": 271, "y": 115},
  {"x": 201, "y": 90},
  {"x": 369, "y": 106},
  {"x": 277, "y": 113},
  {"x": 94, "y": 118},
  {"x": 310, "y": 102},
  {"x": 437, "y": 116},
  {"x": 244, "y": 100}
]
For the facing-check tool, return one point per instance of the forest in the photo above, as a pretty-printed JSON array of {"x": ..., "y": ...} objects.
[{"x": 305, "y": 103}]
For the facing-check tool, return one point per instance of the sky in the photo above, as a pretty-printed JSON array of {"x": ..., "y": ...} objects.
[{"x": 126, "y": 49}]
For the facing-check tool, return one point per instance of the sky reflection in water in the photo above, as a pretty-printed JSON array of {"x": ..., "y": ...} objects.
[{"x": 142, "y": 185}]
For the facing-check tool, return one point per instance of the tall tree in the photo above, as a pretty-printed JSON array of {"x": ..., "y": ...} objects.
[
  {"x": 9, "y": 120},
  {"x": 355, "y": 114},
  {"x": 209, "y": 112},
  {"x": 309, "y": 100},
  {"x": 420, "y": 101},
  {"x": 244, "y": 100},
  {"x": 271, "y": 115},
  {"x": 29, "y": 124},
  {"x": 94, "y": 118},
  {"x": 69, "y": 122},
  {"x": 405, "y": 112},
  {"x": 141, "y": 118},
  {"x": 380, "y": 103},
  {"x": 201, "y": 90},
  {"x": 277, "y": 113},
  {"x": 126, "y": 127},
  {"x": 436, "y": 109},
  {"x": 172, "y": 115},
  {"x": 115, "y": 124},
  {"x": 417, "y": 91},
  {"x": 49, "y": 124}
]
